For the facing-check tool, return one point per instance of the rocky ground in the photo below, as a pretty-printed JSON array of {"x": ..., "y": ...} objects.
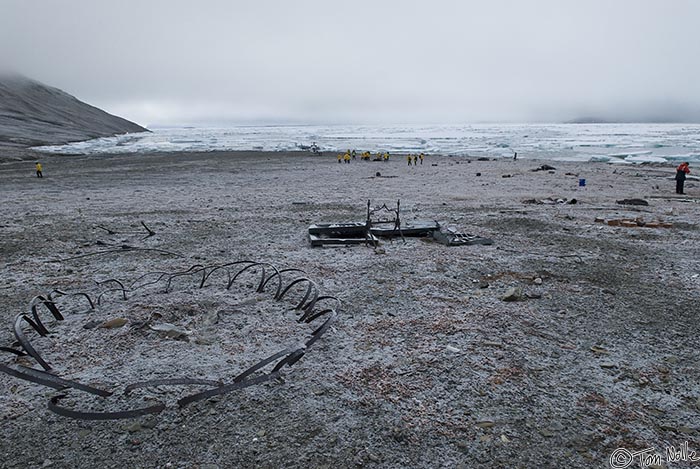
[{"x": 426, "y": 364}]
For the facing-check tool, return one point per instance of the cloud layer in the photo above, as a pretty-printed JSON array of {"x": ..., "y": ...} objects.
[{"x": 363, "y": 61}]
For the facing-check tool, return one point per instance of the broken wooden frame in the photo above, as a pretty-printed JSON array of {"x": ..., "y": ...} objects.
[
  {"x": 323, "y": 234},
  {"x": 387, "y": 225},
  {"x": 253, "y": 375}
]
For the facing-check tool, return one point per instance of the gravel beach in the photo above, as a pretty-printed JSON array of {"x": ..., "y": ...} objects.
[{"x": 425, "y": 365}]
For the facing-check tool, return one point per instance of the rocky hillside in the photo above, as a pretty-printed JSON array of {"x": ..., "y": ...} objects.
[{"x": 32, "y": 113}]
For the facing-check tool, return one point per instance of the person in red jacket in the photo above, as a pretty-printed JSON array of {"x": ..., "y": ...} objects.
[{"x": 681, "y": 172}]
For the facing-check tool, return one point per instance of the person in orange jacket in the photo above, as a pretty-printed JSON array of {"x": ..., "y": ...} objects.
[{"x": 681, "y": 171}]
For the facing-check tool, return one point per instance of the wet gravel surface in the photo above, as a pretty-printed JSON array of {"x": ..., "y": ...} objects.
[{"x": 426, "y": 365}]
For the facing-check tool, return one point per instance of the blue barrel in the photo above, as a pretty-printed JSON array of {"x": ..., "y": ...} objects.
[{"x": 582, "y": 183}]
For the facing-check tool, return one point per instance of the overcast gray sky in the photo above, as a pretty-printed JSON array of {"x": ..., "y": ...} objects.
[{"x": 179, "y": 62}]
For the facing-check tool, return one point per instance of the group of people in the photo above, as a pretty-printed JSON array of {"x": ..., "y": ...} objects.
[
  {"x": 365, "y": 156},
  {"x": 413, "y": 159}
]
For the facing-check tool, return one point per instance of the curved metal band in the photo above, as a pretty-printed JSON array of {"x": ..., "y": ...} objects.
[
  {"x": 172, "y": 382},
  {"x": 124, "y": 414}
]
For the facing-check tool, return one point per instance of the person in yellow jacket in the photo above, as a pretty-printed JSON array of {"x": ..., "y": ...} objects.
[
  {"x": 39, "y": 174},
  {"x": 340, "y": 158},
  {"x": 421, "y": 156},
  {"x": 347, "y": 157},
  {"x": 409, "y": 158}
]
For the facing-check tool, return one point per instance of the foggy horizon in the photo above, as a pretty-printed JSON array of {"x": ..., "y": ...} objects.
[{"x": 217, "y": 62}]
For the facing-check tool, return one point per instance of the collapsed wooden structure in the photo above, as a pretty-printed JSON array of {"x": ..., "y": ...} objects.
[{"x": 385, "y": 222}]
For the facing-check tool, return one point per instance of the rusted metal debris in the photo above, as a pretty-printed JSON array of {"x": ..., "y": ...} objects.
[
  {"x": 149, "y": 232},
  {"x": 386, "y": 222},
  {"x": 203, "y": 273}
]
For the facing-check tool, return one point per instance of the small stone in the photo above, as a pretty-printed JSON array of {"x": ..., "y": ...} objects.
[
  {"x": 210, "y": 318},
  {"x": 513, "y": 294},
  {"x": 113, "y": 323},
  {"x": 170, "y": 330},
  {"x": 149, "y": 423},
  {"x": 485, "y": 423},
  {"x": 133, "y": 428},
  {"x": 537, "y": 281},
  {"x": 92, "y": 324},
  {"x": 452, "y": 349},
  {"x": 607, "y": 365},
  {"x": 204, "y": 340},
  {"x": 261, "y": 433}
]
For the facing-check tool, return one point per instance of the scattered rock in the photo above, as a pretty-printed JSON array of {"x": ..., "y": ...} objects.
[
  {"x": 452, "y": 349},
  {"x": 210, "y": 318},
  {"x": 544, "y": 167},
  {"x": 133, "y": 427},
  {"x": 633, "y": 202},
  {"x": 537, "y": 281},
  {"x": 113, "y": 323},
  {"x": 204, "y": 340},
  {"x": 549, "y": 201},
  {"x": 513, "y": 294},
  {"x": 170, "y": 330},
  {"x": 485, "y": 423},
  {"x": 92, "y": 324}
]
